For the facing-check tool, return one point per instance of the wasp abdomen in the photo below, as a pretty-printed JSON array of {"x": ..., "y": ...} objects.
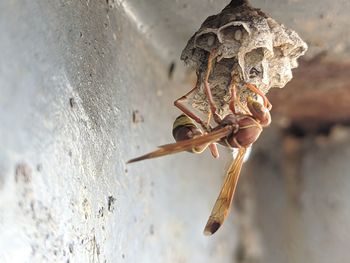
[{"x": 184, "y": 128}]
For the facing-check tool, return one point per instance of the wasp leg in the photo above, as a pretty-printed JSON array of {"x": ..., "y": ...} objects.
[
  {"x": 207, "y": 90},
  {"x": 234, "y": 99},
  {"x": 179, "y": 103},
  {"x": 254, "y": 89}
]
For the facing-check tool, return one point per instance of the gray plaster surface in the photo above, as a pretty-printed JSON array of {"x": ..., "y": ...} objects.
[
  {"x": 324, "y": 24},
  {"x": 300, "y": 197},
  {"x": 72, "y": 73}
]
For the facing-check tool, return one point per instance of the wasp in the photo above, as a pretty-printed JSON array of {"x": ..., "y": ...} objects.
[{"x": 238, "y": 129}]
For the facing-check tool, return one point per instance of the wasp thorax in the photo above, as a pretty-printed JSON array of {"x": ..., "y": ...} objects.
[
  {"x": 248, "y": 132},
  {"x": 230, "y": 119}
]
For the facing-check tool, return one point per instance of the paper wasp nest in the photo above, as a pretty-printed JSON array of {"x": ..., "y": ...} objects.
[{"x": 251, "y": 48}]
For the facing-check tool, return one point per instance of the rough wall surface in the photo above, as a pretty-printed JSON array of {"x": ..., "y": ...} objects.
[
  {"x": 72, "y": 76},
  {"x": 299, "y": 196}
]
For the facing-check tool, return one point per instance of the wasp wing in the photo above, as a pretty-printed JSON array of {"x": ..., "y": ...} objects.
[
  {"x": 185, "y": 145},
  {"x": 224, "y": 200}
]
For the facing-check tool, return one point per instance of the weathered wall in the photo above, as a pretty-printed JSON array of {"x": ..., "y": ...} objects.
[
  {"x": 296, "y": 191},
  {"x": 71, "y": 76},
  {"x": 72, "y": 73}
]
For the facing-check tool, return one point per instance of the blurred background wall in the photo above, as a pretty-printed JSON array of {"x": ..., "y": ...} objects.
[{"x": 86, "y": 85}]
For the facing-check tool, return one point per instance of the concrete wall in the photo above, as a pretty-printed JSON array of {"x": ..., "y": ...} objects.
[
  {"x": 72, "y": 74},
  {"x": 296, "y": 191},
  {"x": 84, "y": 86}
]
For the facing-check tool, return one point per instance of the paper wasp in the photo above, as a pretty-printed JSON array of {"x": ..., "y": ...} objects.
[{"x": 238, "y": 129}]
